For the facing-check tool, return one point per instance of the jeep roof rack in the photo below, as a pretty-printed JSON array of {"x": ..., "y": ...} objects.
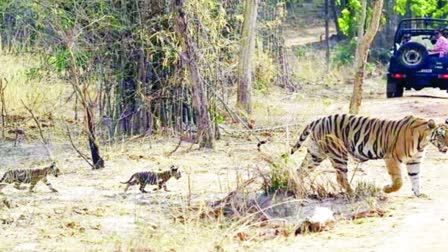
[{"x": 419, "y": 26}]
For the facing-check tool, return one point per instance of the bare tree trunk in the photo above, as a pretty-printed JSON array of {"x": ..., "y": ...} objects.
[
  {"x": 362, "y": 50},
  {"x": 81, "y": 92},
  {"x": 200, "y": 104},
  {"x": 247, "y": 48}
]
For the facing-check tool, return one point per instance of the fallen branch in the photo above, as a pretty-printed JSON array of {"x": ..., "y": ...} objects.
[
  {"x": 175, "y": 149},
  {"x": 83, "y": 156},
  {"x": 222, "y": 202}
]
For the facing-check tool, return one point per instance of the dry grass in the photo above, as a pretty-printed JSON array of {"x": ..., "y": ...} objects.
[
  {"x": 91, "y": 213},
  {"x": 45, "y": 93}
]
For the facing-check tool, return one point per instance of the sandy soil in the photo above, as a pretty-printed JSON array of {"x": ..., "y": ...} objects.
[
  {"x": 91, "y": 212},
  {"x": 412, "y": 224}
]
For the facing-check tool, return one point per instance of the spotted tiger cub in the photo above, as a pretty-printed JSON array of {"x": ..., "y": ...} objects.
[
  {"x": 30, "y": 176},
  {"x": 152, "y": 178},
  {"x": 402, "y": 141}
]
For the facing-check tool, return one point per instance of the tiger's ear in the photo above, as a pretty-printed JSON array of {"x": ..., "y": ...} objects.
[{"x": 431, "y": 124}]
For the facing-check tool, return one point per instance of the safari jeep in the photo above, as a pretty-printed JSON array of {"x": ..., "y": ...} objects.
[{"x": 411, "y": 64}]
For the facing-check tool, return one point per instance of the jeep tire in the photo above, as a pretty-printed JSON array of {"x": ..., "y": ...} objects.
[
  {"x": 412, "y": 56},
  {"x": 394, "y": 89}
]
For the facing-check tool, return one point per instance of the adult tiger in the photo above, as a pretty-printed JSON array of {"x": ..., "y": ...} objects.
[{"x": 364, "y": 138}]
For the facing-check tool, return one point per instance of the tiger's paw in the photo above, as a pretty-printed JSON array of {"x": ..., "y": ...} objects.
[
  {"x": 387, "y": 189},
  {"x": 422, "y": 196}
]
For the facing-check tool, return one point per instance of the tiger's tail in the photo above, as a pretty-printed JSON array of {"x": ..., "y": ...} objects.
[
  {"x": 130, "y": 179},
  {"x": 302, "y": 138}
]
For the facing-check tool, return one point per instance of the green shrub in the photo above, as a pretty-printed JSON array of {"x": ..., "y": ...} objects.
[{"x": 344, "y": 53}]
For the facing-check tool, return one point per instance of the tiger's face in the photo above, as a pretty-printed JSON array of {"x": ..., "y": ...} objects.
[
  {"x": 175, "y": 172},
  {"x": 54, "y": 170},
  {"x": 439, "y": 137},
  {"x": 424, "y": 130}
]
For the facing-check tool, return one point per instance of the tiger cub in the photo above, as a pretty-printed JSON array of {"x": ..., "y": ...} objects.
[
  {"x": 30, "y": 176},
  {"x": 152, "y": 178}
]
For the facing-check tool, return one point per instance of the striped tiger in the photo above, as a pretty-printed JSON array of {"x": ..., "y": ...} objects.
[
  {"x": 395, "y": 141},
  {"x": 152, "y": 178},
  {"x": 30, "y": 176}
]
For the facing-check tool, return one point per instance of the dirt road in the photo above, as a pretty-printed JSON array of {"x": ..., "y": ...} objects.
[
  {"x": 412, "y": 224},
  {"x": 90, "y": 212}
]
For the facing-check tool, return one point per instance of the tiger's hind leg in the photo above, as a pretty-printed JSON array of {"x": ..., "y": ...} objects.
[
  {"x": 130, "y": 183},
  {"x": 142, "y": 188},
  {"x": 394, "y": 170},
  {"x": 336, "y": 151},
  {"x": 2, "y": 185}
]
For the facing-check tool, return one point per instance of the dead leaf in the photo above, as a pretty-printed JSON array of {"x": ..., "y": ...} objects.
[{"x": 241, "y": 236}]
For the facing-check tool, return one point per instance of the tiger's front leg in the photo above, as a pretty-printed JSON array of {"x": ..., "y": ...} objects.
[
  {"x": 17, "y": 186},
  {"x": 413, "y": 167},
  {"x": 394, "y": 170},
  {"x": 49, "y": 185},
  {"x": 164, "y": 188},
  {"x": 313, "y": 158}
]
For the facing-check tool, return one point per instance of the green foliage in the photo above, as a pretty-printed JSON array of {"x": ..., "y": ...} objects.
[
  {"x": 422, "y": 8},
  {"x": 59, "y": 60},
  {"x": 344, "y": 53},
  {"x": 350, "y": 15},
  {"x": 279, "y": 179},
  {"x": 300, "y": 51},
  {"x": 34, "y": 73}
]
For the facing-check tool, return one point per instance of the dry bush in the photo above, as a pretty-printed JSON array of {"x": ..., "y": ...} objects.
[{"x": 43, "y": 92}]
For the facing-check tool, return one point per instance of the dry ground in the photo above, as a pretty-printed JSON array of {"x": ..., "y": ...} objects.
[{"x": 91, "y": 212}]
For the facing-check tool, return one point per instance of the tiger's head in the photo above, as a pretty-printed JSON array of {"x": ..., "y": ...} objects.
[
  {"x": 175, "y": 172},
  {"x": 439, "y": 137},
  {"x": 54, "y": 170}
]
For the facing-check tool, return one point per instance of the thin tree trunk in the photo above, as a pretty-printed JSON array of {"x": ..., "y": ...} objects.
[
  {"x": 362, "y": 52},
  {"x": 247, "y": 49},
  {"x": 361, "y": 25},
  {"x": 335, "y": 11},
  {"x": 205, "y": 133},
  {"x": 81, "y": 92}
]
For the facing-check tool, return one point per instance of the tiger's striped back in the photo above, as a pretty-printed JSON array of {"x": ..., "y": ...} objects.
[
  {"x": 365, "y": 138},
  {"x": 152, "y": 178},
  {"x": 30, "y": 176}
]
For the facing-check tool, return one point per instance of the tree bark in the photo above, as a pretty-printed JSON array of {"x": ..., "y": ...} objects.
[
  {"x": 246, "y": 51},
  {"x": 362, "y": 50},
  {"x": 205, "y": 133}
]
